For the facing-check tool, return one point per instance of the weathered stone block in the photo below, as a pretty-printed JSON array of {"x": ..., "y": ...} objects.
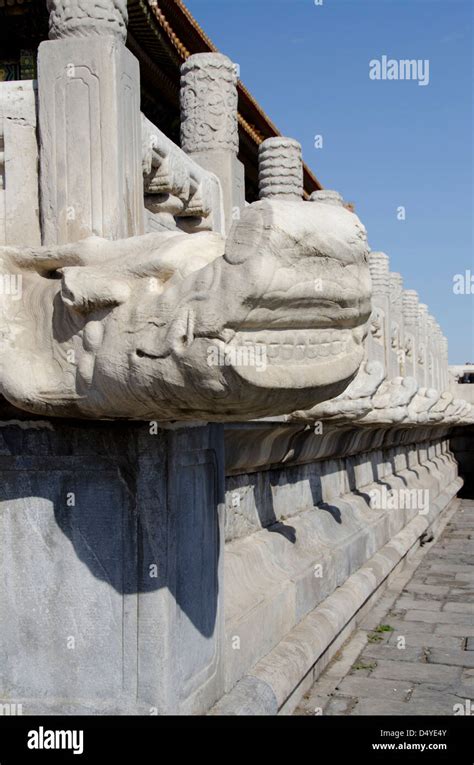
[
  {"x": 19, "y": 206},
  {"x": 90, "y": 140}
]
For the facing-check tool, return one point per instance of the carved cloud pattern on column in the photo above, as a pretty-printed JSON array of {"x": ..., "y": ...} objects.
[
  {"x": 209, "y": 104},
  {"x": 82, "y": 18}
]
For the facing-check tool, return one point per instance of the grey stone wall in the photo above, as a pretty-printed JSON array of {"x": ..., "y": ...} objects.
[
  {"x": 301, "y": 524},
  {"x": 110, "y": 567}
]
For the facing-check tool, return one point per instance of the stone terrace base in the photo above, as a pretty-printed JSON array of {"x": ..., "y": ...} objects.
[
  {"x": 307, "y": 555},
  {"x": 110, "y": 568},
  {"x": 113, "y": 541}
]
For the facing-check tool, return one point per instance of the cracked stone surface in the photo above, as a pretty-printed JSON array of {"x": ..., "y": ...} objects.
[{"x": 418, "y": 641}]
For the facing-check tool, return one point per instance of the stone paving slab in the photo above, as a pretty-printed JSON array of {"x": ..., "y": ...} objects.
[
  {"x": 435, "y": 617},
  {"x": 458, "y": 630},
  {"x": 460, "y": 608},
  {"x": 389, "y": 707},
  {"x": 428, "y": 640},
  {"x": 454, "y": 658},
  {"x": 418, "y": 672},
  {"x": 373, "y": 688},
  {"x": 426, "y": 589},
  {"x": 393, "y": 652},
  {"x": 417, "y": 642},
  {"x": 400, "y": 627},
  {"x": 434, "y": 702},
  {"x": 406, "y": 603}
]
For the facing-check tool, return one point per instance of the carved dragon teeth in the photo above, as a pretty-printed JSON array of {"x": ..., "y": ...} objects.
[{"x": 281, "y": 346}]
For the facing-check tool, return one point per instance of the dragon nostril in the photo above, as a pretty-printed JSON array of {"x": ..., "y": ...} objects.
[{"x": 52, "y": 274}]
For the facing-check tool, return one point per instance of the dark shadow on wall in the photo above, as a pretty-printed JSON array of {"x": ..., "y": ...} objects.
[
  {"x": 462, "y": 446},
  {"x": 140, "y": 511},
  {"x": 265, "y": 482}
]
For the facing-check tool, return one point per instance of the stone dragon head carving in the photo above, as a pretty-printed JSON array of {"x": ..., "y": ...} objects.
[{"x": 177, "y": 326}]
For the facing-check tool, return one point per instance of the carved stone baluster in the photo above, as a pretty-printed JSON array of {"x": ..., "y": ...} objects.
[
  {"x": 410, "y": 320},
  {"x": 280, "y": 169},
  {"x": 397, "y": 350},
  {"x": 19, "y": 204},
  {"x": 327, "y": 196},
  {"x": 209, "y": 127},
  {"x": 379, "y": 335},
  {"x": 83, "y": 18},
  {"x": 423, "y": 345},
  {"x": 89, "y": 123},
  {"x": 437, "y": 337},
  {"x": 431, "y": 350},
  {"x": 445, "y": 356}
]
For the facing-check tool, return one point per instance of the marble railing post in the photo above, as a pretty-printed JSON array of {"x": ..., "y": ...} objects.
[
  {"x": 327, "y": 196},
  {"x": 397, "y": 342},
  {"x": 280, "y": 169},
  {"x": 439, "y": 357},
  {"x": 379, "y": 335},
  {"x": 209, "y": 126},
  {"x": 436, "y": 361},
  {"x": 410, "y": 323},
  {"x": 19, "y": 204},
  {"x": 423, "y": 345},
  {"x": 431, "y": 345},
  {"x": 89, "y": 123},
  {"x": 445, "y": 352},
  {"x": 444, "y": 362}
]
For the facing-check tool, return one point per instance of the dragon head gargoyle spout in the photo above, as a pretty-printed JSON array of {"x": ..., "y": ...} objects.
[{"x": 175, "y": 326}]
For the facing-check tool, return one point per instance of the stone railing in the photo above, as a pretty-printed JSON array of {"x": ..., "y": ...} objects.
[
  {"x": 404, "y": 378},
  {"x": 19, "y": 204},
  {"x": 178, "y": 192}
]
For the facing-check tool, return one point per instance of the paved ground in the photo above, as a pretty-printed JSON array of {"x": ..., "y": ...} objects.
[{"x": 414, "y": 652}]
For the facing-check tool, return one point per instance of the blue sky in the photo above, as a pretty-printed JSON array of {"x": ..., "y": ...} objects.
[{"x": 386, "y": 144}]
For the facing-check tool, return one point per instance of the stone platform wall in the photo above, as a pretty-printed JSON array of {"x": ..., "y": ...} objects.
[
  {"x": 123, "y": 546},
  {"x": 110, "y": 568},
  {"x": 307, "y": 545}
]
